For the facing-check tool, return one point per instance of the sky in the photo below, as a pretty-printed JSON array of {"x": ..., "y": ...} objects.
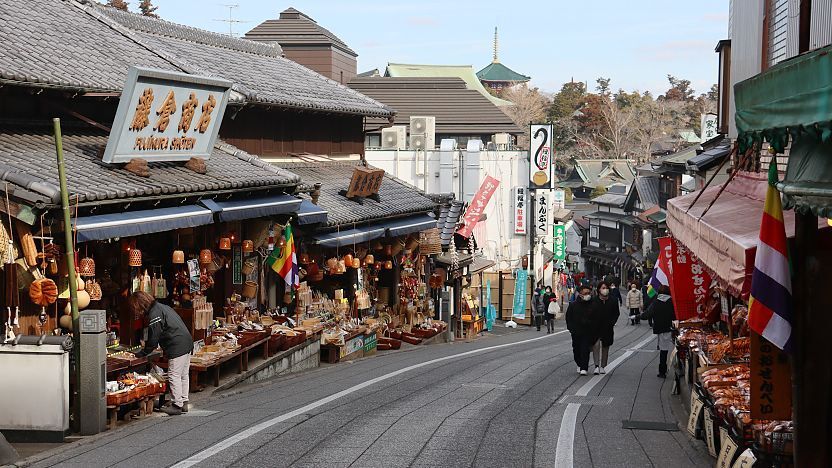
[{"x": 635, "y": 43}]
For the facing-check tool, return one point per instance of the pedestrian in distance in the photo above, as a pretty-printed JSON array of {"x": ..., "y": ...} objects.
[
  {"x": 663, "y": 315},
  {"x": 635, "y": 302},
  {"x": 606, "y": 314},
  {"x": 538, "y": 307},
  {"x": 165, "y": 328},
  {"x": 579, "y": 322},
  {"x": 552, "y": 311},
  {"x": 615, "y": 293}
]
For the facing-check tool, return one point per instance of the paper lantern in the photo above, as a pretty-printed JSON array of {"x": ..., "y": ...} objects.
[
  {"x": 388, "y": 265},
  {"x": 87, "y": 267},
  {"x": 356, "y": 263},
  {"x": 370, "y": 259},
  {"x": 135, "y": 258},
  {"x": 205, "y": 256},
  {"x": 178, "y": 257},
  {"x": 348, "y": 258},
  {"x": 248, "y": 246},
  {"x": 225, "y": 243}
]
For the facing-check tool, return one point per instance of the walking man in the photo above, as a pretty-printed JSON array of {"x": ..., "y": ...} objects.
[
  {"x": 635, "y": 302},
  {"x": 662, "y": 313},
  {"x": 579, "y": 322},
  {"x": 604, "y": 321}
]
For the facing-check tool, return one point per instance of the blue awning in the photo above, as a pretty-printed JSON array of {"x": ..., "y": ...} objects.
[
  {"x": 351, "y": 236},
  {"x": 400, "y": 227},
  {"x": 260, "y": 207},
  {"x": 136, "y": 223},
  {"x": 310, "y": 213}
]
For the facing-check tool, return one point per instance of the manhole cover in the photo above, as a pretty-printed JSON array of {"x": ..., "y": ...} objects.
[
  {"x": 649, "y": 426},
  {"x": 199, "y": 413},
  {"x": 586, "y": 400}
]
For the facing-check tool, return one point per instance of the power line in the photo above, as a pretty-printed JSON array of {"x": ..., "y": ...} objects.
[{"x": 231, "y": 21}]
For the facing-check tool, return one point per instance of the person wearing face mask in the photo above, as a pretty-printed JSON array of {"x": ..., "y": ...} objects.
[
  {"x": 663, "y": 315},
  {"x": 579, "y": 322},
  {"x": 635, "y": 302},
  {"x": 604, "y": 320}
]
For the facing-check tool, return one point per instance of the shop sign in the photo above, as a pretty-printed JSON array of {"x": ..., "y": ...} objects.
[
  {"x": 166, "y": 116},
  {"x": 519, "y": 308},
  {"x": 365, "y": 182},
  {"x": 477, "y": 206},
  {"x": 193, "y": 275},
  {"x": 771, "y": 384},
  {"x": 540, "y": 157},
  {"x": 520, "y": 210},
  {"x": 689, "y": 281},
  {"x": 708, "y": 126},
  {"x": 237, "y": 264},
  {"x": 695, "y": 412},
  {"x": 560, "y": 242},
  {"x": 543, "y": 214},
  {"x": 709, "y": 432},
  {"x": 352, "y": 346},
  {"x": 747, "y": 459},
  {"x": 558, "y": 199},
  {"x": 370, "y": 343},
  {"x": 727, "y": 450}
]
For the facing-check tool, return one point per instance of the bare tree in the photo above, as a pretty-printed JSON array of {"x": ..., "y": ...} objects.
[
  {"x": 528, "y": 106},
  {"x": 619, "y": 124}
]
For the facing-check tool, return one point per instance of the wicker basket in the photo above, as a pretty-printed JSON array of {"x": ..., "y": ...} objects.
[
  {"x": 135, "y": 258},
  {"x": 430, "y": 243},
  {"x": 87, "y": 267}
]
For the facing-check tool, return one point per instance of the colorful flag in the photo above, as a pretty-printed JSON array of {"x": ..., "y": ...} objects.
[
  {"x": 284, "y": 261},
  {"x": 770, "y": 305},
  {"x": 659, "y": 276}
]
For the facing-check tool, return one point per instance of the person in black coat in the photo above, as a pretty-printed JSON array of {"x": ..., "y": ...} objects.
[
  {"x": 580, "y": 317},
  {"x": 604, "y": 322},
  {"x": 662, "y": 314}
]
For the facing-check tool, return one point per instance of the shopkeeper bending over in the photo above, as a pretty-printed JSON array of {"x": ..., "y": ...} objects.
[{"x": 165, "y": 328}]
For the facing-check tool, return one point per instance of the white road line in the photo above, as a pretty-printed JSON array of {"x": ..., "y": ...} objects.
[
  {"x": 253, "y": 430},
  {"x": 564, "y": 452}
]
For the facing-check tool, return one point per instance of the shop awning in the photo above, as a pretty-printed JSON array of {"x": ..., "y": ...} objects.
[
  {"x": 725, "y": 239},
  {"x": 480, "y": 264},
  {"x": 136, "y": 223},
  {"x": 350, "y": 236},
  {"x": 260, "y": 207},
  {"x": 310, "y": 213},
  {"x": 807, "y": 186},
  {"x": 788, "y": 99},
  {"x": 411, "y": 224}
]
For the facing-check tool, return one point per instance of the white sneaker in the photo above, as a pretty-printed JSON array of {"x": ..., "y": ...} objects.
[
  {"x": 597, "y": 370},
  {"x": 603, "y": 371},
  {"x": 579, "y": 369},
  {"x": 583, "y": 372}
]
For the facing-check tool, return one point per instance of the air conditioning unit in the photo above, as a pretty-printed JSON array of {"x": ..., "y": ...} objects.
[
  {"x": 394, "y": 137},
  {"x": 447, "y": 144},
  {"x": 501, "y": 140},
  {"x": 426, "y": 126},
  {"x": 418, "y": 142}
]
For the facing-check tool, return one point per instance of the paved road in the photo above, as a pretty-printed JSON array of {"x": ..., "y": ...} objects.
[{"x": 495, "y": 402}]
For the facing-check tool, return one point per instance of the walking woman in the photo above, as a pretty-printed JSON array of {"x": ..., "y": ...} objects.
[
  {"x": 552, "y": 309},
  {"x": 607, "y": 314},
  {"x": 663, "y": 315},
  {"x": 635, "y": 302},
  {"x": 579, "y": 322}
]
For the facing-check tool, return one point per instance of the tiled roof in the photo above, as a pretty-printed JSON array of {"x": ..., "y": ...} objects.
[
  {"x": 496, "y": 71},
  {"x": 396, "y": 198},
  {"x": 28, "y": 152},
  {"x": 89, "y": 47},
  {"x": 294, "y": 28},
  {"x": 594, "y": 172},
  {"x": 458, "y": 110},
  {"x": 610, "y": 199},
  {"x": 648, "y": 190},
  {"x": 464, "y": 72}
]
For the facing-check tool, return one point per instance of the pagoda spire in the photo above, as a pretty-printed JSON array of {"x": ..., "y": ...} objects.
[{"x": 496, "y": 60}]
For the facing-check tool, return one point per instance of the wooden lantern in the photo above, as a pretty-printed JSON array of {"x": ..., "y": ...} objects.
[
  {"x": 248, "y": 246},
  {"x": 348, "y": 258},
  {"x": 135, "y": 258},
  {"x": 370, "y": 259},
  {"x": 87, "y": 267},
  {"x": 205, "y": 256},
  {"x": 178, "y": 257},
  {"x": 225, "y": 243}
]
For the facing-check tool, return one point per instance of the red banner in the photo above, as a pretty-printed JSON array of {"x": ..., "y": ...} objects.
[
  {"x": 477, "y": 206},
  {"x": 689, "y": 281}
]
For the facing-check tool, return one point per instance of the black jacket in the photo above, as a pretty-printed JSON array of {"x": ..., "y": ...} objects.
[
  {"x": 662, "y": 313},
  {"x": 166, "y": 329},
  {"x": 580, "y": 317},
  {"x": 615, "y": 293},
  {"x": 605, "y": 319}
]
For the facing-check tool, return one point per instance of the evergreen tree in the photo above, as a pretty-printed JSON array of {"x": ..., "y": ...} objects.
[
  {"x": 148, "y": 9},
  {"x": 118, "y": 4}
]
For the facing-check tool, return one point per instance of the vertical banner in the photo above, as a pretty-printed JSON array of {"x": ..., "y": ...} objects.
[
  {"x": 520, "y": 286},
  {"x": 543, "y": 214},
  {"x": 559, "y": 242},
  {"x": 520, "y": 210},
  {"x": 477, "y": 206},
  {"x": 558, "y": 199},
  {"x": 540, "y": 157},
  {"x": 689, "y": 281},
  {"x": 237, "y": 264},
  {"x": 771, "y": 383},
  {"x": 708, "y": 125}
]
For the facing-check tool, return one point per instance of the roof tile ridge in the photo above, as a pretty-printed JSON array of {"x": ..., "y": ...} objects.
[{"x": 253, "y": 160}]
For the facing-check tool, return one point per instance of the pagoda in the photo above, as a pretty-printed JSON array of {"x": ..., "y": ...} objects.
[{"x": 497, "y": 76}]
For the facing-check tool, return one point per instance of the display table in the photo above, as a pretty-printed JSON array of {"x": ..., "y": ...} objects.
[
  {"x": 470, "y": 328},
  {"x": 240, "y": 355}
]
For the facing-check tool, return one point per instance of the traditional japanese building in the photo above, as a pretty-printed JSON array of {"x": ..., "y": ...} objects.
[{"x": 497, "y": 76}]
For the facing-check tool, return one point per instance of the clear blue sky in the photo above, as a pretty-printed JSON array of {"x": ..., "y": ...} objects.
[{"x": 635, "y": 43}]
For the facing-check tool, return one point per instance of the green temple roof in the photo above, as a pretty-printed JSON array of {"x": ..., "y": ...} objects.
[{"x": 496, "y": 71}]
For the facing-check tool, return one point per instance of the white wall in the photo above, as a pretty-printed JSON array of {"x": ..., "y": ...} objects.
[{"x": 496, "y": 234}]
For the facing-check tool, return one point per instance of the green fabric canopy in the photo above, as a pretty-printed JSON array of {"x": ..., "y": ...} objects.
[{"x": 790, "y": 99}]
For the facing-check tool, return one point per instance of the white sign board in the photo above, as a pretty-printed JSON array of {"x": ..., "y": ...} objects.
[
  {"x": 542, "y": 214},
  {"x": 695, "y": 412},
  {"x": 746, "y": 459},
  {"x": 558, "y": 199},
  {"x": 166, "y": 116},
  {"x": 726, "y": 451},
  {"x": 540, "y": 157},
  {"x": 709, "y": 127},
  {"x": 520, "y": 209}
]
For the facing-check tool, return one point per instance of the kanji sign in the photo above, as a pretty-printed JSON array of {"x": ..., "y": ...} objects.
[
  {"x": 709, "y": 130},
  {"x": 365, "y": 182},
  {"x": 520, "y": 210},
  {"x": 540, "y": 157},
  {"x": 518, "y": 310},
  {"x": 559, "y": 199},
  {"x": 689, "y": 281},
  {"x": 166, "y": 116},
  {"x": 560, "y": 242},
  {"x": 477, "y": 206},
  {"x": 542, "y": 213},
  {"x": 771, "y": 384}
]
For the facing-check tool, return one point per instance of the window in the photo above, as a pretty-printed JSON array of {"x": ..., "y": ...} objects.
[{"x": 372, "y": 141}]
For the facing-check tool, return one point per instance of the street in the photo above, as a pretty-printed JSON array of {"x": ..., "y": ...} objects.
[{"x": 498, "y": 401}]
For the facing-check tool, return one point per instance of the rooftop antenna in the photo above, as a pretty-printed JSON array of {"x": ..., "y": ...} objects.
[
  {"x": 495, "y": 45},
  {"x": 231, "y": 21}
]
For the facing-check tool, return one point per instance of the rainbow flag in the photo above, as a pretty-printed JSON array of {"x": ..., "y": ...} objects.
[
  {"x": 284, "y": 261},
  {"x": 657, "y": 279},
  {"x": 770, "y": 306}
]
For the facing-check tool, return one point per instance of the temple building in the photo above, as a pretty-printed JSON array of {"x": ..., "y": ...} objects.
[{"x": 497, "y": 76}]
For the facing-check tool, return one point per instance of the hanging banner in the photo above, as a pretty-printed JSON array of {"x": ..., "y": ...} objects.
[
  {"x": 559, "y": 242},
  {"x": 540, "y": 157},
  {"x": 520, "y": 210},
  {"x": 689, "y": 281},
  {"x": 558, "y": 199},
  {"x": 477, "y": 207},
  {"x": 542, "y": 214},
  {"x": 771, "y": 382},
  {"x": 520, "y": 286},
  {"x": 708, "y": 125}
]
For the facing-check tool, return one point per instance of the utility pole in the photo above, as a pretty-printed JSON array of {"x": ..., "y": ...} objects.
[{"x": 231, "y": 21}]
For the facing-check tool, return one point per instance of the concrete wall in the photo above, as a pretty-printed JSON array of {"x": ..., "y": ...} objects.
[
  {"x": 297, "y": 359},
  {"x": 446, "y": 172}
]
